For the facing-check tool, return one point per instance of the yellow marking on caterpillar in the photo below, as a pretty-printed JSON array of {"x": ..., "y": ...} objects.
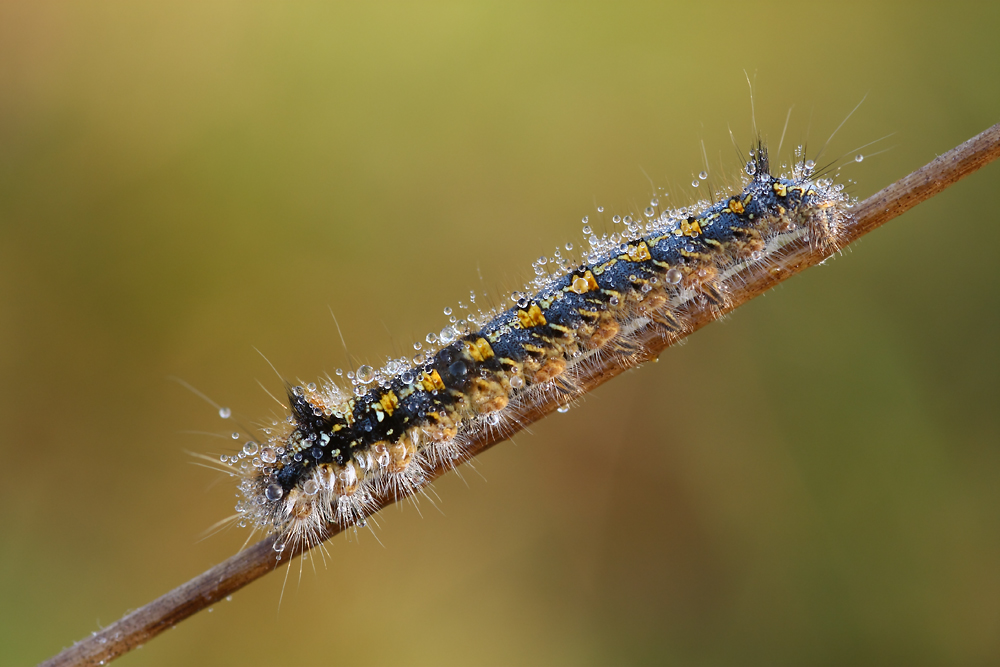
[
  {"x": 736, "y": 206},
  {"x": 479, "y": 350},
  {"x": 638, "y": 253},
  {"x": 431, "y": 381},
  {"x": 583, "y": 284},
  {"x": 598, "y": 270},
  {"x": 532, "y": 318},
  {"x": 389, "y": 402},
  {"x": 691, "y": 229}
]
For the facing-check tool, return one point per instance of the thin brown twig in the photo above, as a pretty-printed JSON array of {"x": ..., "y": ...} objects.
[{"x": 141, "y": 625}]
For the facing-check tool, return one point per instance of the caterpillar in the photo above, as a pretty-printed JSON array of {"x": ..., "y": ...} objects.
[{"x": 338, "y": 448}]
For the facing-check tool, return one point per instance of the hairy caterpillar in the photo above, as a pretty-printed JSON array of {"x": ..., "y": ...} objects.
[{"x": 338, "y": 448}]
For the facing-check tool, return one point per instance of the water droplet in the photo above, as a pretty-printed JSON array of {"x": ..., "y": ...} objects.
[
  {"x": 579, "y": 285},
  {"x": 614, "y": 301},
  {"x": 274, "y": 492},
  {"x": 600, "y": 209},
  {"x": 458, "y": 369},
  {"x": 268, "y": 455},
  {"x": 250, "y": 448},
  {"x": 810, "y": 165},
  {"x": 751, "y": 168},
  {"x": 616, "y": 219},
  {"x": 366, "y": 374},
  {"x": 339, "y": 372},
  {"x": 695, "y": 183},
  {"x": 627, "y": 219},
  {"x": 431, "y": 338},
  {"x": 859, "y": 157},
  {"x": 225, "y": 413},
  {"x": 650, "y": 211},
  {"x": 542, "y": 261},
  {"x": 569, "y": 246},
  {"x": 516, "y": 382},
  {"x": 278, "y": 546},
  {"x": 419, "y": 359},
  {"x": 310, "y": 488},
  {"x": 756, "y": 255},
  {"x": 703, "y": 175},
  {"x": 654, "y": 202},
  {"x": 311, "y": 386},
  {"x": 447, "y": 311},
  {"x": 236, "y": 435},
  {"x": 587, "y": 230},
  {"x": 448, "y": 335},
  {"x": 585, "y": 219},
  {"x": 562, "y": 409},
  {"x": 674, "y": 276}
]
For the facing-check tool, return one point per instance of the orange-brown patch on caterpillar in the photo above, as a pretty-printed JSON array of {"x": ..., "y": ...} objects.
[
  {"x": 401, "y": 454},
  {"x": 441, "y": 425},
  {"x": 487, "y": 395},
  {"x": 702, "y": 278},
  {"x": 550, "y": 369},
  {"x": 745, "y": 242},
  {"x": 300, "y": 505},
  {"x": 703, "y": 272},
  {"x": 346, "y": 479},
  {"x": 606, "y": 329},
  {"x": 654, "y": 307}
]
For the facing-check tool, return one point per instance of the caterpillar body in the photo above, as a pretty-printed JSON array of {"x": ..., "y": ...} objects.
[{"x": 336, "y": 449}]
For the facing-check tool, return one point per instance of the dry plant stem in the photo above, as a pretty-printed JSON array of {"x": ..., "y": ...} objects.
[{"x": 143, "y": 624}]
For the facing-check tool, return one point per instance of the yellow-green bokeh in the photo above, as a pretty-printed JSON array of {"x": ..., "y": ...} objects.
[{"x": 814, "y": 481}]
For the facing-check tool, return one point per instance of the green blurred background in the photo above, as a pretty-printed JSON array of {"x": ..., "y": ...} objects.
[{"x": 814, "y": 481}]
